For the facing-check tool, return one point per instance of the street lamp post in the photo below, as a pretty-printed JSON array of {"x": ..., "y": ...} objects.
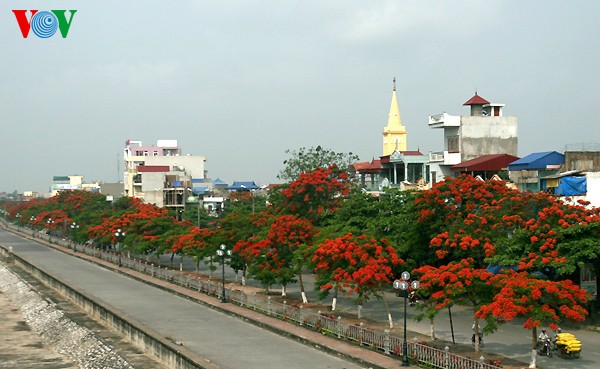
[
  {"x": 223, "y": 252},
  {"x": 74, "y": 227},
  {"x": 119, "y": 234},
  {"x": 50, "y": 225},
  {"x": 403, "y": 285}
]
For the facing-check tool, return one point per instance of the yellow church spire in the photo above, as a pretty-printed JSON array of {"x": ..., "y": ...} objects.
[{"x": 394, "y": 134}]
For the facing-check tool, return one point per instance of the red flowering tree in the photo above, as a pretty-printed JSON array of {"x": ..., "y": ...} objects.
[
  {"x": 458, "y": 283},
  {"x": 558, "y": 239},
  {"x": 469, "y": 218},
  {"x": 279, "y": 256},
  {"x": 144, "y": 226},
  {"x": 354, "y": 265},
  {"x": 538, "y": 301},
  {"x": 197, "y": 243},
  {"x": 245, "y": 216},
  {"x": 55, "y": 221},
  {"x": 313, "y": 195}
]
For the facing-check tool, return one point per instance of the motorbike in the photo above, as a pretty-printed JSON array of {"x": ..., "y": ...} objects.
[
  {"x": 567, "y": 346},
  {"x": 544, "y": 348}
]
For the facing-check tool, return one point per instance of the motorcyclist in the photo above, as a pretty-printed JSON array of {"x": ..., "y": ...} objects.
[
  {"x": 542, "y": 339},
  {"x": 480, "y": 336},
  {"x": 555, "y": 337},
  {"x": 558, "y": 331}
]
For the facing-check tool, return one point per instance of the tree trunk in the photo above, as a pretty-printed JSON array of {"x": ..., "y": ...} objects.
[
  {"x": 283, "y": 293},
  {"x": 359, "y": 308},
  {"x": 172, "y": 257},
  {"x": 532, "y": 364},
  {"x": 334, "y": 301},
  {"x": 244, "y": 275},
  {"x": 387, "y": 309},
  {"x": 476, "y": 334},
  {"x": 302, "y": 291},
  {"x": 432, "y": 328}
]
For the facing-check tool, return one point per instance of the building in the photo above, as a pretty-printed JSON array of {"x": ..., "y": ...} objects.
[
  {"x": 397, "y": 167},
  {"x": 579, "y": 177},
  {"x": 485, "y": 131},
  {"x": 531, "y": 173},
  {"x": 394, "y": 134},
  {"x": 74, "y": 182},
  {"x": 243, "y": 186},
  {"x": 160, "y": 174}
]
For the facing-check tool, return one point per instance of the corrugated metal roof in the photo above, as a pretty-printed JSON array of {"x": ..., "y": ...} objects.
[
  {"x": 243, "y": 186},
  {"x": 538, "y": 160},
  {"x": 493, "y": 162}
]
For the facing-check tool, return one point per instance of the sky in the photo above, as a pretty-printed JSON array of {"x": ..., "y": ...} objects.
[{"x": 241, "y": 82}]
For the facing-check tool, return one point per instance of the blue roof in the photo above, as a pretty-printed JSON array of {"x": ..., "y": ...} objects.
[
  {"x": 243, "y": 186},
  {"x": 538, "y": 160},
  {"x": 199, "y": 190},
  {"x": 197, "y": 180},
  {"x": 219, "y": 181}
]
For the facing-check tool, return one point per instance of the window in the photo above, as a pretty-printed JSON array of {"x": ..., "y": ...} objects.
[
  {"x": 453, "y": 144},
  {"x": 155, "y": 153}
]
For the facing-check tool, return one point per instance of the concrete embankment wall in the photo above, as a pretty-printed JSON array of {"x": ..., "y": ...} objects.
[{"x": 146, "y": 339}]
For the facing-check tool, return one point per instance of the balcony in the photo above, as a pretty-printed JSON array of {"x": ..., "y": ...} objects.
[
  {"x": 444, "y": 120},
  {"x": 436, "y": 157},
  {"x": 445, "y": 158},
  {"x": 451, "y": 158}
]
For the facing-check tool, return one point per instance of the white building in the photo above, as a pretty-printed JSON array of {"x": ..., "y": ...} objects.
[
  {"x": 485, "y": 131},
  {"x": 160, "y": 174}
]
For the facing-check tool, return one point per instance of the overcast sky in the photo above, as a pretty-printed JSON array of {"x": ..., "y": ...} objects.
[{"x": 239, "y": 82}]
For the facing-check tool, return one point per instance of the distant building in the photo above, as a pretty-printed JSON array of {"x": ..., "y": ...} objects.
[
  {"x": 243, "y": 186},
  {"x": 74, "y": 182},
  {"x": 530, "y": 172},
  {"x": 485, "y": 131},
  {"x": 112, "y": 190},
  {"x": 160, "y": 174}
]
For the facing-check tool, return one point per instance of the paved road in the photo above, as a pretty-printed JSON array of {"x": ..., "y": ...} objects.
[{"x": 227, "y": 341}]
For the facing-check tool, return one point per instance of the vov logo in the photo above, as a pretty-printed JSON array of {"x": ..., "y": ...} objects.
[{"x": 44, "y": 23}]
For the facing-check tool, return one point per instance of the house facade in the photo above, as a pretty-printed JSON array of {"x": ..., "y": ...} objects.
[{"x": 485, "y": 131}]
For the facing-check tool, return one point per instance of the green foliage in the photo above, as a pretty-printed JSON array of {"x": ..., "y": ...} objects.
[{"x": 308, "y": 159}]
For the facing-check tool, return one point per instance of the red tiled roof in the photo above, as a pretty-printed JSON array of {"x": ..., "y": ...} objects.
[
  {"x": 365, "y": 166},
  {"x": 492, "y": 162},
  {"x": 152, "y": 168},
  {"x": 411, "y": 153},
  {"x": 361, "y": 165},
  {"x": 476, "y": 100}
]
